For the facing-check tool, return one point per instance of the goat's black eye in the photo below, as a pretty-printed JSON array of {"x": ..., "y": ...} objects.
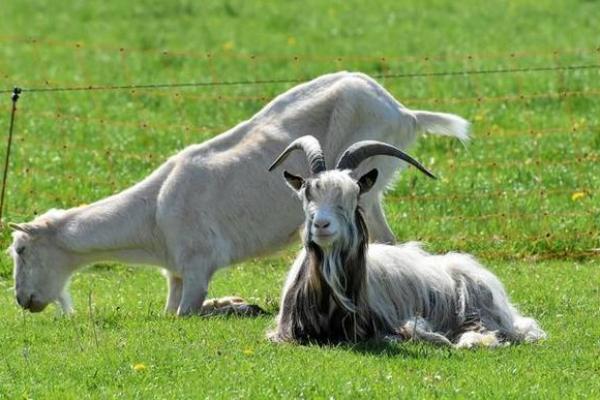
[
  {"x": 20, "y": 250},
  {"x": 307, "y": 191}
]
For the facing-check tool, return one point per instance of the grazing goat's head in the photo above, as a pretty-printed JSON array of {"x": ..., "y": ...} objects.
[
  {"x": 331, "y": 197},
  {"x": 41, "y": 267}
]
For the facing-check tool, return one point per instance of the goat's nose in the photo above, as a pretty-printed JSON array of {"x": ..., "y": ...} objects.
[
  {"x": 321, "y": 223},
  {"x": 24, "y": 300}
]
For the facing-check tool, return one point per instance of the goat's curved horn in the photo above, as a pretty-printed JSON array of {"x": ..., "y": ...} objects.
[
  {"x": 311, "y": 147},
  {"x": 360, "y": 151}
]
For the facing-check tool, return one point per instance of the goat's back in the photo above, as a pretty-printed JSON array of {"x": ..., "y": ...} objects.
[{"x": 448, "y": 290}]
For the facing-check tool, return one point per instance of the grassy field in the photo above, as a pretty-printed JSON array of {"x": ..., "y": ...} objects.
[{"x": 523, "y": 196}]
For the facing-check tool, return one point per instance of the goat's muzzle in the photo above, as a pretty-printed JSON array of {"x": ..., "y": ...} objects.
[{"x": 31, "y": 303}]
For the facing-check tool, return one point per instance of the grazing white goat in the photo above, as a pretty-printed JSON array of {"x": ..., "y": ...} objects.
[
  {"x": 341, "y": 288},
  {"x": 211, "y": 205}
]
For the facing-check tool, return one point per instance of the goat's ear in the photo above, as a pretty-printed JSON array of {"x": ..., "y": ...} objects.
[
  {"x": 17, "y": 227},
  {"x": 26, "y": 228},
  {"x": 293, "y": 181},
  {"x": 367, "y": 181}
]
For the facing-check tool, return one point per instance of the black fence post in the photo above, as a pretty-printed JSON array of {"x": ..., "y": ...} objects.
[{"x": 14, "y": 97}]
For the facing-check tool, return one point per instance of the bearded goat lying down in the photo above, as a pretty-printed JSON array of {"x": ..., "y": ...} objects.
[{"x": 341, "y": 288}]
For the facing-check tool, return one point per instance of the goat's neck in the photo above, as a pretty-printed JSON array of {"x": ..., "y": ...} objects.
[{"x": 118, "y": 228}]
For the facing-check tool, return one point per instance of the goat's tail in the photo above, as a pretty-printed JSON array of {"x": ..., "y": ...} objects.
[{"x": 442, "y": 124}]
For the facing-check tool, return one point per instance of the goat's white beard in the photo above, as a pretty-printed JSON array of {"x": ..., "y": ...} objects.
[
  {"x": 324, "y": 246},
  {"x": 333, "y": 268}
]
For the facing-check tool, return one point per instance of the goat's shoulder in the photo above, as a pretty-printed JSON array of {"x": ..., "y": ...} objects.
[{"x": 385, "y": 258}]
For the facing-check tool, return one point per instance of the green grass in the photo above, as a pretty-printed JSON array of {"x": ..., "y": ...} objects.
[
  {"x": 507, "y": 197},
  {"x": 95, "y": 352}
]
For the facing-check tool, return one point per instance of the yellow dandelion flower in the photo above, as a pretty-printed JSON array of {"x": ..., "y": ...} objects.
[
  {"x": 291, "y": 41},
  {"x": 227, "y": 46},
  {"x": 139, "y": 367},
  {"x": 577, "y": 195},
  {"x": 248, "y": 351}
]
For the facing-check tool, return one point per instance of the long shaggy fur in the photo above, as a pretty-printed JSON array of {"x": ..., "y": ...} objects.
[{"x": 326, "y": 300}]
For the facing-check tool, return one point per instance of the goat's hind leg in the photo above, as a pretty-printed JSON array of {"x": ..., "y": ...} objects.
[
  {"x": 419, "y": 329},
  {"x": 379, "y": 229}
]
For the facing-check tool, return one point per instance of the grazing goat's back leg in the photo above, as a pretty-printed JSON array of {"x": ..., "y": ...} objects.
[
  {"x": 175, "y": 287},
  {"x": 379, "y": 230},
  {"x": 419, "y": 329}
]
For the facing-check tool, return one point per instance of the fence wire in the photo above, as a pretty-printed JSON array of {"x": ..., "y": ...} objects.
[{"x": 399, "y": 75}]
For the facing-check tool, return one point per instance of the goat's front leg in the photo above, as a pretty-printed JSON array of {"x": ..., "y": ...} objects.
[
  {"x": 65, "y": 302},
  {"x": 175, "y": 291},
  {"x": 194, "y": 290},
  {"x": 379, "y": 230}
]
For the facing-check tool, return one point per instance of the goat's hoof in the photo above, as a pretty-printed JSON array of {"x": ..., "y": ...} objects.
[
  {"x": 274, "y": 337},
  {"x": 231, "y": 305}
]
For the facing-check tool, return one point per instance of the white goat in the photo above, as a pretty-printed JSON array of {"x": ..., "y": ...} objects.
[
  {"x": 340, "y": 288},
  {"x": 211, "y": 205}
]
